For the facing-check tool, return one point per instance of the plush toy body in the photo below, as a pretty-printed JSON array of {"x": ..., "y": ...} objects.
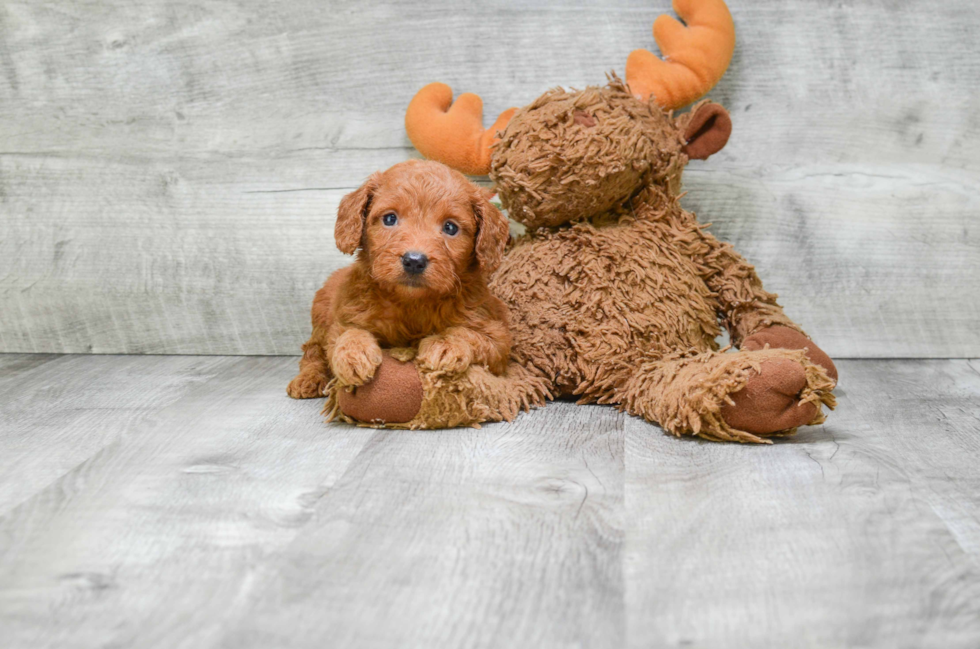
[{"x": 616, "y": 293}]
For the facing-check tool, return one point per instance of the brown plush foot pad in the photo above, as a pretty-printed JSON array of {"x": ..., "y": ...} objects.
[
  {"x": 779, "y": 337},
  {"x": 769, "y": 402},
  {"x": 393, "y": 396}
]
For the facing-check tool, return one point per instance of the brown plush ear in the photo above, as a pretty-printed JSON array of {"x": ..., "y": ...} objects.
[
  {"x": 707, "y": 131},
  {"x": 353, "y": 209},
  {"x": 491, "y": 235}
]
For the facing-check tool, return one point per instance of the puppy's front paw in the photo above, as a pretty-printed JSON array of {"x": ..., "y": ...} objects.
[
  {"x": 439, "y": 353},
  {"x": 356, "y": 356},
  {"x": 307, "y": 385}
]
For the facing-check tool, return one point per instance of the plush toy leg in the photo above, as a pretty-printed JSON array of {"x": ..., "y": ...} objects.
[
  {"x": 781, "y": 337},
  {"x": 740, "y": 397},
  {"x": 402, "y": 395}
]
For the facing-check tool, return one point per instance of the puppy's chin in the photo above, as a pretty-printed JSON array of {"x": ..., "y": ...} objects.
[
  {"x": 416, "y": 286},
  {"x": 412, "y": 281}
]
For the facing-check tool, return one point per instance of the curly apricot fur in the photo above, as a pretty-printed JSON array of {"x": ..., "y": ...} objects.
[{"x": 446, "y": 312}]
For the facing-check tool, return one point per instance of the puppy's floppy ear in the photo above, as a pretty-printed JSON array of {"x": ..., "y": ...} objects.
[
  {"x": 353, "y": 209},
  {"x": 492, "y": 232}
]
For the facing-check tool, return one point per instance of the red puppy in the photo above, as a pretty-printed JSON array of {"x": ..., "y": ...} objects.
[{"x": 428, "y": 240}]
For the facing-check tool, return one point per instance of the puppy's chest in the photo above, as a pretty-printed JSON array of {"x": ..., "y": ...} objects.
[{"x": 396, "y": 326}]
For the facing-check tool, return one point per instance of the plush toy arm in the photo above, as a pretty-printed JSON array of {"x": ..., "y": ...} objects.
[
  {"x": 404, "y": 395},
  {"x": 750, "y": 313},
  {"x": 746, "y": 306}
]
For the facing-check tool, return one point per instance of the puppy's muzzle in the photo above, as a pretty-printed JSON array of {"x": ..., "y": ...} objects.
[{"x": 414, "y": 263}]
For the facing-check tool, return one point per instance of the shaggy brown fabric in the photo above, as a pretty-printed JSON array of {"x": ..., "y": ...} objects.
[
  {"x": 572, "y": 155},
  {"x": 452, "y": 400},
  {"x": 589, "y": 302},
  {"x": 586, "y": 305},
  {"x": 602, "y": 308},
  {"x": 689, "y": 392}
]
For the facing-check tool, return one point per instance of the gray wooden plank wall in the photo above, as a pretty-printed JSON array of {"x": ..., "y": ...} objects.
[
  {"x": 185, "y": 502},
  {"x": 169, "y": 171}
]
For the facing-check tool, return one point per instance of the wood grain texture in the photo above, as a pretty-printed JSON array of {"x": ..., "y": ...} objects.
[
  {"x": 169, "y": 173},
  {"x": 507, "y": 536},
  {"x": 863, "y": 532},
  {"x": 47, "y": 400},
  {"x": 203, "y": 508},
  {"x": 151, "y": 539}
]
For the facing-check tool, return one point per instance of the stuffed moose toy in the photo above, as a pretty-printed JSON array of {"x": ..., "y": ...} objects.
[{"x": 616, "y": 293}]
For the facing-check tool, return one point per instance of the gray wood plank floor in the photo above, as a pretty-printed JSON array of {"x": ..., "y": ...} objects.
[{"x": 187, "y": 502}]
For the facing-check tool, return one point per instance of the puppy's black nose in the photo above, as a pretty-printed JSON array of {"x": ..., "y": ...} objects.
[{"x": 414, "y": 263}]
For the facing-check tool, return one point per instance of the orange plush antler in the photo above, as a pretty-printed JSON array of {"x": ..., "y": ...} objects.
[
  {"x": 452, "y": 133},
  {"x": 695, "y": 57}
]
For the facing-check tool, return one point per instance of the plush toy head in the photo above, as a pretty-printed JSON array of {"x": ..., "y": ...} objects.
[{"x": 572, "y": 155}]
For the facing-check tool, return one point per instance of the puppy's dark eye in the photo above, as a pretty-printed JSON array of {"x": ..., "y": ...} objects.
[
  {"x": 389, "y": 219},
  {"x": 450, "y": 228}
]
